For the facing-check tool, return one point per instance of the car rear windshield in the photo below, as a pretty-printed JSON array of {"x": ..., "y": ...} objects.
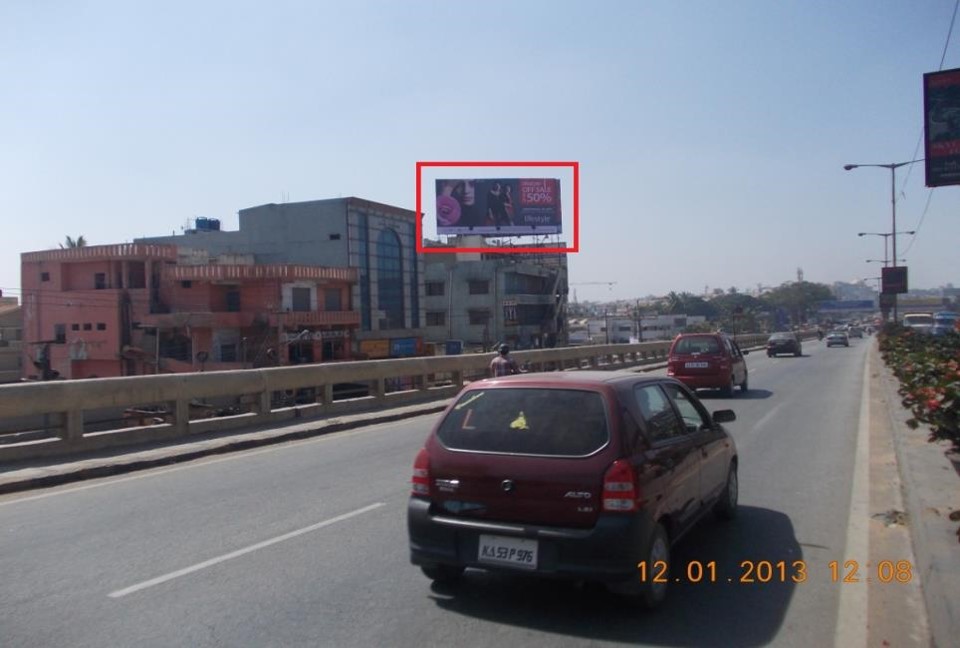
[
  {"x": 697, "y": 345},
  {"x": 535, "y": 421},
  {"x": 782, "y": 336}
]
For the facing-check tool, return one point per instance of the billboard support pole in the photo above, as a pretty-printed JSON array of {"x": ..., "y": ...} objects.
[{"x": 893, "y": 231}]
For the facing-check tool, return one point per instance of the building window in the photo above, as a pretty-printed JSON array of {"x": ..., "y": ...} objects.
[
  {"x": 233, "y": 301},
  {"x": 478, "y": 316},
  {"x": 522, "y": 284},
  {"x": 332, "y": 299},
  {"x": 414, "y": 278},
  {"x": 101, "y": 326},
  {"x": 334, "y": 237},
  {"x": 44, "y": 276},
  {"x": 74, "y": 327},
  {"x": 436, "y": 318},
  {"x": 60, "y": 333},
  {"x": 390, "y": 278},
  {"x": 479, "y": 287},
  {"x": 435, "y": 288},
  {"x": 186, "y": 284},
  {"x": 301, "y": 300},
  {"x": 88, "y": 326},
  {"x": 100, "y": 280},
  {"x": 228, "y": 353},
  {"x": 363, "y": 250}
]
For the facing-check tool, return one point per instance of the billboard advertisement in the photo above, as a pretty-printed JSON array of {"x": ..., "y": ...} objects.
[
  {"x": 498, "y": 207},
  {"x": 404, "y": 347},
  {"x": 894, "y": 280},
  {"x": 941, "y": 119}
]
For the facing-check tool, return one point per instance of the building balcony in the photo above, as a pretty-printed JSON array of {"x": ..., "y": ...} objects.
[
  {"x": 246, "y": 319},
  {"x": 198, "y": 319},
  {"x": 239, "y": 273},
  {"x": 118, "y": 252},
  {"x": 294, "y": 319}
]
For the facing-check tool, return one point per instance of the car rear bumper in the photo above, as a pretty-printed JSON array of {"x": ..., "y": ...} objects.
[
  {"x": 704, "y": 381},
  {"x": 786, "y": 348},
  {"x": 608, "y": 552}
]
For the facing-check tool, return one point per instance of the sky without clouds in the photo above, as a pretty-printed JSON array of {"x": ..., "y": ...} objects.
[{"x": 711, "y": 136}]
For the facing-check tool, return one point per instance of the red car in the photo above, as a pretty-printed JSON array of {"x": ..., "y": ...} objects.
[
  {"x": 708, "y": 361},
  {"x": 585, "y": 475}
]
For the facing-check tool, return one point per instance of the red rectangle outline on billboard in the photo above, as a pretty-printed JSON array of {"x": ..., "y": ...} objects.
[{"x": 512, "y": 250}]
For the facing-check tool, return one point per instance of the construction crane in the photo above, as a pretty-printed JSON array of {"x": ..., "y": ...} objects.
[
  {"x": 610, "y": 284},
  {"x": 594, "y": 283}
]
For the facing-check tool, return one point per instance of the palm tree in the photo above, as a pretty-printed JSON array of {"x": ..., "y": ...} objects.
[{"x": 75, "y": 243}]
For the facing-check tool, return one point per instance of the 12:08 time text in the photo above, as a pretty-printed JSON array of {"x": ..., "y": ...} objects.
[{"x": 778, "y": 571}]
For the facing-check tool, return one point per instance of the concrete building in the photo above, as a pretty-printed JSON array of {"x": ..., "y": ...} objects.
[
  {"x": 485, "y": 298},
  {"x": 667, "y": 327},
  {"x": 11, "y": 333},
  {"x": 376, "y": 241},
  {"x": 120, "y": 310}
]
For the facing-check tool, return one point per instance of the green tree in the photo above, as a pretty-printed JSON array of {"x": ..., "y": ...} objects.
[
  {"x": 740, "y": 312},
  {"x": 74, "y": 242},
  {"x": 799, "y": 298},
  {"x": 688, "y": 304}
]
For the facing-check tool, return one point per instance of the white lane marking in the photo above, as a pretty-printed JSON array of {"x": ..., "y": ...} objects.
[
  {"x": 852, "y": 616},
  {"x": 240, "y": 552},
  {"x": 204, "y": 461},
  {"x": 768, "y": 416}
]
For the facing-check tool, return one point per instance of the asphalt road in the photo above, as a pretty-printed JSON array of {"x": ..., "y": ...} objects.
[{"x": 305, "y": 544}]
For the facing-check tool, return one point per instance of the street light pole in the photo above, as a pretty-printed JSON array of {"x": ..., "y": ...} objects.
[
  {"x": 886, "y": 236},
  {"x": 893, "y": 166}
]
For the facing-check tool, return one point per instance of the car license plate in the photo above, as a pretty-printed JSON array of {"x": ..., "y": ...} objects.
[
  {"x": 514, "y": 552},
  {"x": 696, "y": 365}
]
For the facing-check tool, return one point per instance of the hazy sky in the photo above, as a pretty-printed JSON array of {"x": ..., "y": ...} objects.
[{"x": 710, "y": 135}]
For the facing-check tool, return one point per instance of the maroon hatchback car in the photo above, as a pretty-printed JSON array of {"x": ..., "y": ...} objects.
[
  {"x": 583, "y": 475},
  {"x": 708, "y": 361}
]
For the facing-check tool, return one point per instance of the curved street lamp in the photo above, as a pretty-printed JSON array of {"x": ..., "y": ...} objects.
[
  {"x": 893, "y": 166},
  {"x": 885, "y": 235}
]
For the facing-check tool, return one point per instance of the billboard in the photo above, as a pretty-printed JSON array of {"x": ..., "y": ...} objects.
[
  {"x": 404, "y": 347},
  {"x": 941, "y": 119},
  {"x": 894, "y": 280},
  {"x": 498, "y": 207}
]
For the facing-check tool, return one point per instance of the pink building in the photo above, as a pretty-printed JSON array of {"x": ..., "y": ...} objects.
[{"x": 120, "y": 310}]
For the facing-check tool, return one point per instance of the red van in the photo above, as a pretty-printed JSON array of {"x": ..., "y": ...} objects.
[
  {"x": 708, "y": 361},
  {"x": 586, "y": 475}
]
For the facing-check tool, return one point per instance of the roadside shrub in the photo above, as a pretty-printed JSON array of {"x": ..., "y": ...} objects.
[{"x": 928, "y": 368}]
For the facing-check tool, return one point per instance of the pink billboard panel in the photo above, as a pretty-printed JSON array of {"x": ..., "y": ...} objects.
[{"x": 499, "y": 207}]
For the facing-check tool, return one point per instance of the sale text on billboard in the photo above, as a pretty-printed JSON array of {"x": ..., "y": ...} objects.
[
  {"x": 941, "y": 108},
  {"x": 499, "y": 207}
]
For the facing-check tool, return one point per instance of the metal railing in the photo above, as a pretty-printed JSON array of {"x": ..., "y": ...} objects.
[{"x": 65, "y": 417}]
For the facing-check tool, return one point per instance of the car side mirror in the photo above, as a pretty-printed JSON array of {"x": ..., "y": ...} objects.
[{"x": 724, "y": 416}]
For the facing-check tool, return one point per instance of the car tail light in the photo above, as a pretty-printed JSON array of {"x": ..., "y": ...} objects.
[
  {"x": 620, "y": 491},
  {"x": 421, "y": 474}
]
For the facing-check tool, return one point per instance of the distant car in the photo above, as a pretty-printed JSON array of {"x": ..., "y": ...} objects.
[
  {"x": 919, "y": 322},
  {"x": 708, "y": 361},
  {"x": 784, "y": 343},
  {"x": 583, "y": 475},
  {"x": 855, "y": 332},
  {"x": 837, "y": 338},
  {"x": 944, "y": 322}
]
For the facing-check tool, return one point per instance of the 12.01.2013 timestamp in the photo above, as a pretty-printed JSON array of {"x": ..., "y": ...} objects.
[{"x": 776, "y": 571}]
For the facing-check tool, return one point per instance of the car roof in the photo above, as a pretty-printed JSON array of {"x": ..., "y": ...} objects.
[
  {"x": 689, "y": 335},
  {"x": 570, "y": 379}
]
